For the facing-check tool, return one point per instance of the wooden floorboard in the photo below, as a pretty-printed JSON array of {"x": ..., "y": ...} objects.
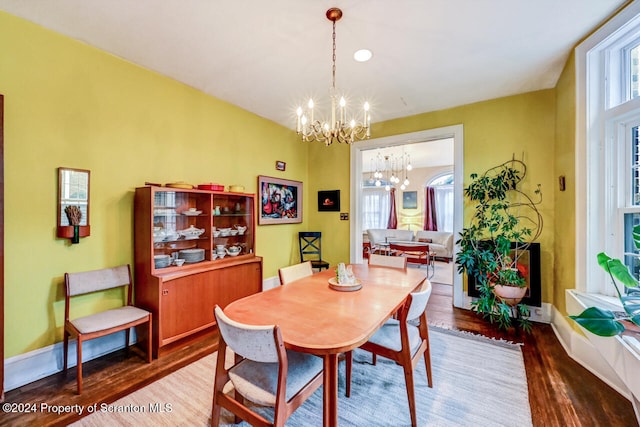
[{"x": 561, "y": 392}]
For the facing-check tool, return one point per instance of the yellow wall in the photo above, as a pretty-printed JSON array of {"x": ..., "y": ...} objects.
[
  {"x": 565, "y": 229},
  {"x": 68, "y": 104},
  {"x": 517, "y": 125}
]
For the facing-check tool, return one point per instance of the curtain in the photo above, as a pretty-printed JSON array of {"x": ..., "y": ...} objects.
[
  {"x": 444, "y": 207},
  {"x": 375, "y": 208},
  {"x": 430, "y": 216},
  {"x": 393, "y": 217}
]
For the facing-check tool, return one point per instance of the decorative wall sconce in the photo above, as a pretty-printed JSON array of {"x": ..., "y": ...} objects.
[{"x": 73, "y": 204}]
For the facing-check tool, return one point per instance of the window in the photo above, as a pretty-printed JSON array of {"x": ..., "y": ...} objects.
[
  {"x": 375, "y": 207},
  {"x": 608, "y": 168},
  {"x": 443, "y": 187}
]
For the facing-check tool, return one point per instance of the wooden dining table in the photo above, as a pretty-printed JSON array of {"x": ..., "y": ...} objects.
[{"x": 316, "y": 319}]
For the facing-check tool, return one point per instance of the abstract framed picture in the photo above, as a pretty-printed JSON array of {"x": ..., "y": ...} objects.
[
  {"x": 409, "y": 200},
  {"x": 280, "y": 201},
  {"x": 329, "y": 201}
]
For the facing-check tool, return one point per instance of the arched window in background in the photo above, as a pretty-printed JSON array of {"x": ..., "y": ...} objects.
[{"x": 443, "y": 187}]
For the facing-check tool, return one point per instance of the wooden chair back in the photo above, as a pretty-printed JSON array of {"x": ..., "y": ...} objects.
[
  {"x": 311, "y": 248},
  {"x": 416, "y": 253},
  {"x": 295, "y": 272},
  {"x": 261, "y": 369}
]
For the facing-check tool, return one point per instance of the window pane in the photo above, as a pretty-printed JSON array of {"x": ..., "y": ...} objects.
[
  {"x": 631, "y": 253},
  {"x": 633, "y": 72},
  {"x": 635, "y": 167}
]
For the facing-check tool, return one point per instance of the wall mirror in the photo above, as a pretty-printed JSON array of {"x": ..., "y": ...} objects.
[{"x": 73, "y": 203}]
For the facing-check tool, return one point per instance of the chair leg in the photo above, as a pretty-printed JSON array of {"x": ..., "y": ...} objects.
[
  {"x": 65, "y": 352},
  {"x": 127, "y": 337},
  {"x": 408, "y": 378},
  {"x": 427, "y": 362},
  {"x": 150, "y": 341},
  {"x": 79, "y": 365}
]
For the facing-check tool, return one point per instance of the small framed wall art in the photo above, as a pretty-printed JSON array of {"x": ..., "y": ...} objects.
[
  {"x": 410, "y": 200},
  {"x": 329, "y": 201}
]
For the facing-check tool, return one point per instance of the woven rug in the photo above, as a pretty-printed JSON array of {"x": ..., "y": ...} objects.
[{"x": 476, "y": 382}]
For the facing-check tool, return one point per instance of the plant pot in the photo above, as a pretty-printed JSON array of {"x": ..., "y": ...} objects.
[{"x": 510, "y": 295}]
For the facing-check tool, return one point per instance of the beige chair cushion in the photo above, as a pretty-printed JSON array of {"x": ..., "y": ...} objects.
[
  {"x": 389, "y": 336},
  {"x": 388, "y": 261},
  {"x": 257, "y": 382},
  {"x": 108, "y": 319},
  {"x": 295, "y": 272}
]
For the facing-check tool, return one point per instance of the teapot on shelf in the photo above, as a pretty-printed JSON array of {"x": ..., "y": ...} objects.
[{"x": 234, "y": 250}]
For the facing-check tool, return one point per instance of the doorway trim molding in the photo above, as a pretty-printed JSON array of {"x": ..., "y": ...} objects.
[{"x": 355, "y": 224}]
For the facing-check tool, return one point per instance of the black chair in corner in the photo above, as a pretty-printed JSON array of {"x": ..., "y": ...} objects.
[{"x": 311, "y": 249}]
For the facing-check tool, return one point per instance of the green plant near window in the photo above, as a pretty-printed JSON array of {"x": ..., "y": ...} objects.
[
  {"x": 504, "y": 224},
  {"x": 606, "y": 323}
]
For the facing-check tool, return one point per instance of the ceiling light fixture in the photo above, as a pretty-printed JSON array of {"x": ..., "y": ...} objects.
[
  {"x": 389, "y": 170},
  {"x": 362, "y": 55},
  {"x": 337, "y": 128}
]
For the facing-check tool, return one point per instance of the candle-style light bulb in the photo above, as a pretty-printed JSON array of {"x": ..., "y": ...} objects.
[{"x": 299, "y": 114}]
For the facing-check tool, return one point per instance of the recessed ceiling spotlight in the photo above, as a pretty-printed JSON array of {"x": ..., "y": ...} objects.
[{"x": 362, "y": 55}]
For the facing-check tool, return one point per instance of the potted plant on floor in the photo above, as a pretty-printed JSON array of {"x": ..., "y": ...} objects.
[
  {"x": 505, "y": 222},
  {"x": 607, "y": 323}
]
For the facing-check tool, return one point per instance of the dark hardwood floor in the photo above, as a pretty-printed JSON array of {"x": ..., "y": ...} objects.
[{"x": 561, "y": 392}]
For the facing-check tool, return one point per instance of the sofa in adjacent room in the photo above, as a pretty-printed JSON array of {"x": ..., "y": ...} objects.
[{"x": 440, "y": 242}]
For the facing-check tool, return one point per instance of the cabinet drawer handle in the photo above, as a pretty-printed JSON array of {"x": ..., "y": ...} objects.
[{"x": 165, "y": 292}]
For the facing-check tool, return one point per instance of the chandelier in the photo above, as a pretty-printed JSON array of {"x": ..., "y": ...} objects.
[
  {"x": 389, "y": 170},
  {"x": 338, "y": 128}
]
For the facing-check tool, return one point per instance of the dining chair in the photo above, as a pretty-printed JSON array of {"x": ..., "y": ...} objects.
[
  {"x": 403, "y": 342},
  {"x": 415, "y": 253},
  {"x": 295, "y": 272},
  {"x": 311, "y": 248},
  {"x": 104, "y": 322},
  {"x": 263, "y": 373},
  {"x": 388, "y": 261}
]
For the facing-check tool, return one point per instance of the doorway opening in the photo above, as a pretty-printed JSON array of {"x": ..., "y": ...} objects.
[{"x": 437, "y": 142}]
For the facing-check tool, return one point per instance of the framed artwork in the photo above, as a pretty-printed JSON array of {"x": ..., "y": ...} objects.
[
  {"x": 329, "y": 201},
  {"x": 409, "y": 200},
  {"x": 280, "y": 201},
  {"x": 529, "y": 264},
  {"x": 280, "y": 165}
]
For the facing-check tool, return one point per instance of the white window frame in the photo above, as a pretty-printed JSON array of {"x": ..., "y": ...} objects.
[{"x": 601, "y": 116}]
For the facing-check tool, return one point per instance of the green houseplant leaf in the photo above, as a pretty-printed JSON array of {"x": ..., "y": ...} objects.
[
  {"x": 599, "y": 321},
  {"x": 603, "y": 322}
]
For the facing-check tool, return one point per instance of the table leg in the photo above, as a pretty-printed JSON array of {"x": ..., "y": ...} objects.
[{"x": 330, "y": 390}]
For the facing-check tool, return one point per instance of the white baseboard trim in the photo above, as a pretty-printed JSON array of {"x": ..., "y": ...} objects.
[
  {"x": 37, "y": 364},
  {"x": 580, "y": 349}
]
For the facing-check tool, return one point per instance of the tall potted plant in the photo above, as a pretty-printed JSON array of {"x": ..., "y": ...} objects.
[{"x": 505, "y": 222}]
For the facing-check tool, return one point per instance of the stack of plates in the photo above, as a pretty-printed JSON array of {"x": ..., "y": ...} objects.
[
  {"x": 162, "y": 261},
  {"x": 191, "y": 255}
]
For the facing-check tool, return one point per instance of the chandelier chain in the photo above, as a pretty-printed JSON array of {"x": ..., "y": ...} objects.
[{"x": 333, "y": 70}]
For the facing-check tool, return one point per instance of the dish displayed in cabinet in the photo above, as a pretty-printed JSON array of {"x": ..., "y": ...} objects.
[{"x": 191, "y": 256}]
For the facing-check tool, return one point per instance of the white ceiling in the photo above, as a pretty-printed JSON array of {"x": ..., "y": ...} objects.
[{"x": 269, "y": 56}]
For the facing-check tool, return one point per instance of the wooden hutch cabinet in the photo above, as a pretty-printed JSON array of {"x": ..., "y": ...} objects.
[{"x": 214, "y": 233}]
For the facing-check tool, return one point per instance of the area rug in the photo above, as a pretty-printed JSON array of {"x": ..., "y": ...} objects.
[{"x": 476, "y": 382}]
